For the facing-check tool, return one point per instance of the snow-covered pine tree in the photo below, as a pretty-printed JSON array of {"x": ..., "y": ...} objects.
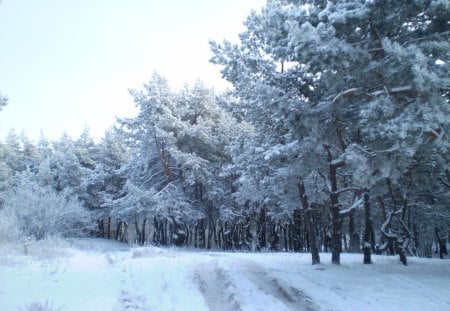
[
  {"x": 153, "y": 171},
  {"x": 368, "y": 79},
  {"x": 3, "y": 101},
  {"x": 104, "y": 184},
  {"x": 179, "y": 144},
  {"x": 66, "y": 167},
  {"x": 201, "y": 154}
]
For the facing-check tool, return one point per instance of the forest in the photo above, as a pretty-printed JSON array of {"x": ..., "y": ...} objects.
[{"x": 334, "y": 137}]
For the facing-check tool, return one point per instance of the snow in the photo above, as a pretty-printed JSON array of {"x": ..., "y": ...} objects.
[{"x": 91, "y": 274}]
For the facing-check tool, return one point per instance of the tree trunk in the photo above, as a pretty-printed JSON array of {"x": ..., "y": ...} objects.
[
  {"x": 228, "y": 235},
  {"x": 101, "y": 228},
  {"x": 144, "y": 222},
  {"x": 119, "y": 228},
  {"x": 215, "y": 235},
  {"x": 138, "y": 231},
  {"x": 309, "y": 225},
  {"x": 196, "y": 234},
  {"x": 416, "y": 240},
  {"x": 336, "y": 238},
  {"x": 285, "y": 238},
  {"x": 261, "y": 229},
  {"x": 353, "y": 236},
  {"x": 291, "y": 236},
  {"x": 440, "y": 244},
  {"x": 124, "y": 233},
  {"x": 179, "y": 235},
  {"x": 162, "y": 232},
  {"x": 220, "y": 238},
  {"x": 201, "y": 234},
  {"x": 367, "y": 245},
  {"x": 387, "y": 243},
  {"x": 336, "y": 220},
  {"x": 156, "y": 232},
  {"x": 109, "y": 228},
  {"x": 297, "y": 238},
  {"x": 247, "y": 234},
  {"x": 275, "y": 243},
  {"x": 401, "y": 236}
]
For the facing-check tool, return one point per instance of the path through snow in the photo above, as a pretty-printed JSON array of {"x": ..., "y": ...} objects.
[{"x": 95, "y": 275}]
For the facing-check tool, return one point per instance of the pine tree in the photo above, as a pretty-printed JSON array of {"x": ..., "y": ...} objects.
[
  {"x": 3, "y": 101},
  {"x": 366, "y": 79}
]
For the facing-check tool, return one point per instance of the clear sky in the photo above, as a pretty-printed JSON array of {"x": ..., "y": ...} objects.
[{"x": 66, "y": 64}]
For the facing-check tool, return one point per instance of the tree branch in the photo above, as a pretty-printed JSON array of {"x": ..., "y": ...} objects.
[{"x": 357, "y": 204}]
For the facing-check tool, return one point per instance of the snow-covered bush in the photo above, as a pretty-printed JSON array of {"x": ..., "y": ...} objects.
[
  {"x": 41, "y": 306},
  {"x": 8, "y": 228},
  {"x": 34, "y": 211}
]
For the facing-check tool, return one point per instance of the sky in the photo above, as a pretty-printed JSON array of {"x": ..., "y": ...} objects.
[{"x": 65, "y": 65}]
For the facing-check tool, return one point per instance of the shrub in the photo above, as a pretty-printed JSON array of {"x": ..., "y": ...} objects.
[{"x": 34, "y": 211}]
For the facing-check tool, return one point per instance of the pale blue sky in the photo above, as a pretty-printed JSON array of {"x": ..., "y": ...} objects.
[{"x": 66, "y": 64}]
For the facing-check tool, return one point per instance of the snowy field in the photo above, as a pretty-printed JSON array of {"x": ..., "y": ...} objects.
[{"x": 103, "y": 275}]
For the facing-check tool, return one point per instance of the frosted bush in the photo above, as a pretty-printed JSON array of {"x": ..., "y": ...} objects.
[
  {"x": 41, "y": 306},
  {"x": 9, "y": 230},
  {"x": 37, "y": 212}
]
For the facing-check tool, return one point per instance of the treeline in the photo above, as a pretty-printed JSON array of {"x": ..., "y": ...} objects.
[{"x": 333, "y": 138}]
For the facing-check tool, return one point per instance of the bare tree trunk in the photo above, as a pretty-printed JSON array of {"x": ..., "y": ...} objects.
[
  {"x": 208, "y": 235},
  {"x": 291, "y": 236},
  {"x": 336, "y": 220},
  {"x": 101, "y": 228},
  {"x": 179, "y": 235},
  {"x": 220, "y": 240},
  {"x": 353, "y": 236},
  {"x": 119, "y": 228},
  {"x": 144, "y": 222},
  {"x": 124, "y": 233},
  {"x": 386, "y": 242},
  {"x": 156, "y": 232},
  {"x": 109, "y": 228},
  {"x": 161, "y": 235},
  {"x": 309, "y": 225},
  {"x": 401, "y": 237},
  {"x": 228, "y": 235},
  {"x": 214, "y": 233},
  {"x": 138, "y": 231},
  {"x": 196, "y": 234},
  {"x": 247, "y": 234},
  {"x": 201, "y": 234},
  {"x": 261, "y": 229},
  {"x": 297, "y": 236},
  {"x": 367, "y": 245},
  {"x": 275, "y": 242},
  {"x": 416, "y": 240},
  {"x": 440, "y": 244},
  {"x": 285, "y": 238}
]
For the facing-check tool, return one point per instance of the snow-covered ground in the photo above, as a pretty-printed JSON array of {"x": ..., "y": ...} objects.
[{"x": 104, "y": 275}]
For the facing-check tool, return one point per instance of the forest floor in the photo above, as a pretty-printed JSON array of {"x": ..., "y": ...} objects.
[{"x": 92, "y": 274}]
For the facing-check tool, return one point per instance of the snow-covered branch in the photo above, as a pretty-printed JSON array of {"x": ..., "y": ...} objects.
[
  {"x": 354, "y": 189},
  {"x": 357, "y": 204},
  {"x": 385, "y": 225},
  {"x": 346, "y": 93},
  {"x": 394, "y": 90},
  {"x": 327, "y": 182}
]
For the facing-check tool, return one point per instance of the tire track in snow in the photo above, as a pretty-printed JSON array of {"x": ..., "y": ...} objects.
[
  {"x": 293, "y": 298},
  {"x": 128, "y": 300},
  {"x": 216, "y": 288}
]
